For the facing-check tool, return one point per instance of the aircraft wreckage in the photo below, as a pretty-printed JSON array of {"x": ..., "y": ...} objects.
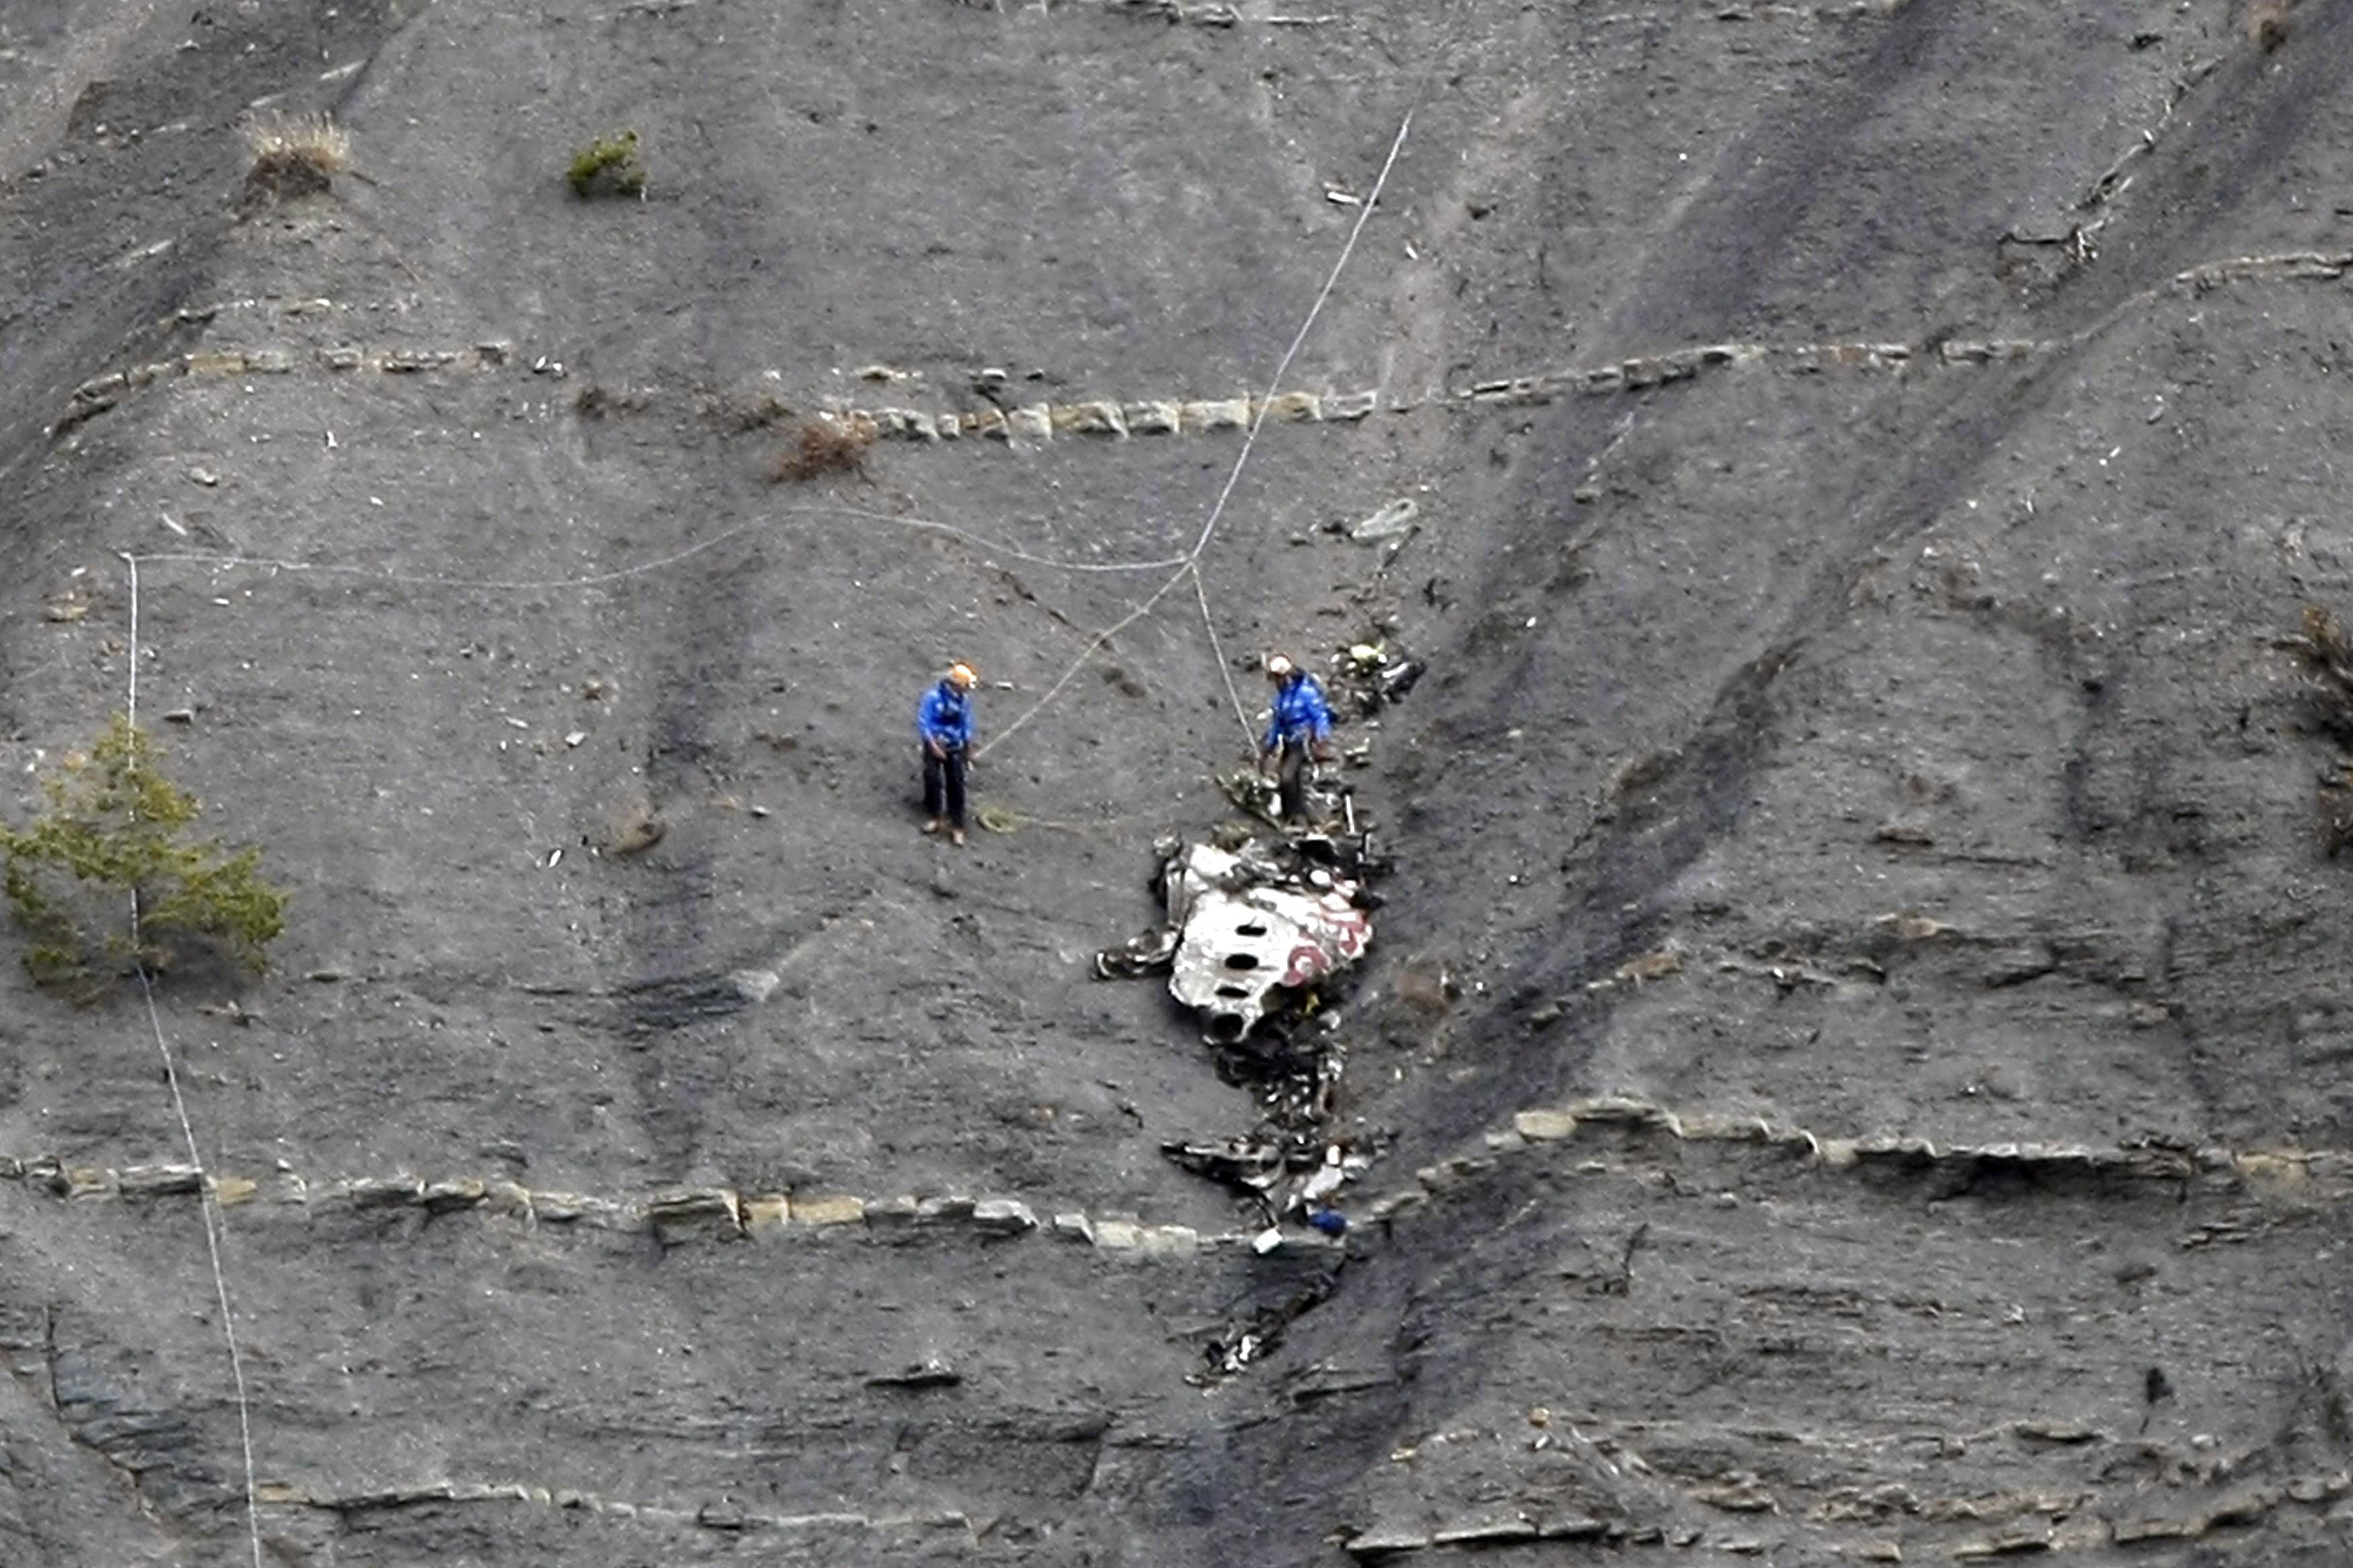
[
  {"x": 1261, "y": 930},
  {"x": 1264, "y": 923}
]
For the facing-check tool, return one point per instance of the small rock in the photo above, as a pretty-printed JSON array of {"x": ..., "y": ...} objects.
[
  {"x": 1168, "y": 1240},
  {"x": 161, "y": 1181},
  {"x": 1003, "y": 1216},
  {"x": 384, "y": 1192},
  {"x": 639, "y": 833},
  {"x": 1118, "y": 1235},
  {"x": 1224, "y": 414},
  {"x": 892, "y": 1213},
  {"x": 464, "y": 1193},
  {"x": 1538, "y": 1126},
  {"x": 710, "y": 1211},
  {"x": 826, "y": 1211},
  {"x": 1151, "y": 417},
  {"x": 932, "y": 1372},
  {"x": 755, "y": 986},
  {"x": 721, "y": 1516},
  {"x": 205, "y": 476}
]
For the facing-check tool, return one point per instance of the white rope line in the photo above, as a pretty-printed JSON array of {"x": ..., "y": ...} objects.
[
  {"x": 1098, "y": 641},
  {"x": 1007, "y": 550},
  {"x": 1218, "y": 652},
  {"x": 1192, "y": 561},
  {"x": 207, "y": 1206},
  {"x": 594, "y": 579},
  {"x": 1355, "y": 230},
  {"x": 131, "y": 711},
  {"x": 220, "y": 1278}
]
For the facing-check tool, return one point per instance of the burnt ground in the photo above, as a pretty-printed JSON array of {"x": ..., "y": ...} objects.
[{"x": 1886, "y": 1097}]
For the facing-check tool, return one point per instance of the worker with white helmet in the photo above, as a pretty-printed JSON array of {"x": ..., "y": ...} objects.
[
  {"x": 1299, "y": 727},
  {"x": 944, "y": 721}
]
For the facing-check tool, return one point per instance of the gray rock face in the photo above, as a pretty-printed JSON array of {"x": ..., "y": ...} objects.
[{"x": 1859, "y": 1024}]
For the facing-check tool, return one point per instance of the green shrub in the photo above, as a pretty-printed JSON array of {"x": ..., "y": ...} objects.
[
  {"x": 608, "y": 167},
  {"x": 117, "y": 830}
]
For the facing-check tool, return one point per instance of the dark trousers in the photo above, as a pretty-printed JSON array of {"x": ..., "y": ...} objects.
[
  {"x": 944, "y": 786},
  {"x": 1290, "y": 792}
]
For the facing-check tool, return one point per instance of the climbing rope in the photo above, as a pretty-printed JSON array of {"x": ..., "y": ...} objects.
[{"x": 1191, "y": 564}]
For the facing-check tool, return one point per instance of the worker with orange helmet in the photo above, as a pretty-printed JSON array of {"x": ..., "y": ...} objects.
[{"x": 944, "y": 721}]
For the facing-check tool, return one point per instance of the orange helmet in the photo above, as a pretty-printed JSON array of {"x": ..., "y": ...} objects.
[{"x": 961, "y": 677}]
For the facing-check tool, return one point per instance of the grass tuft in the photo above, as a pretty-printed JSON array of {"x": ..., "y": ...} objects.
[
  {"x": 294, "y": 155},
  {"x": 824, "y": 446}
]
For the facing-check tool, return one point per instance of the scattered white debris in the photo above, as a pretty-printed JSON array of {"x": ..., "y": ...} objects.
[{"x": 1391, "y": 522}]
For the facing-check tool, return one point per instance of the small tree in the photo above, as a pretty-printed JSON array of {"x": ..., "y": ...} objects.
[{"x": 115, "y": 825}]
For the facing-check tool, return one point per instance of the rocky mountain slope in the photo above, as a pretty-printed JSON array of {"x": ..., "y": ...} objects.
[{"x": 1858, "y": 1039}]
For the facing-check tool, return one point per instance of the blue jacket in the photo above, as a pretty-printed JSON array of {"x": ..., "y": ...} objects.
[
  {"x": 1300, "y": 714},
  {"x": 945, "y": 716}
]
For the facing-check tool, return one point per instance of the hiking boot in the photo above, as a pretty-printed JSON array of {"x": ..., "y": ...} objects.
[
  {"x": 955, "y": 837},
  {"x": 934, "y": 825}
]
